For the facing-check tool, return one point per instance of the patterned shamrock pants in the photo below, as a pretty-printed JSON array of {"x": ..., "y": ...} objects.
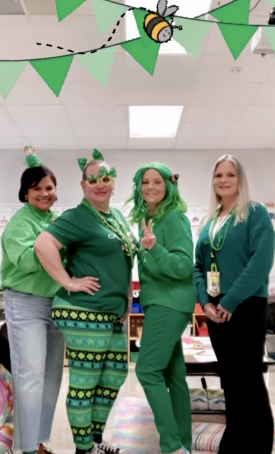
[{"x": 97, "y": 359}]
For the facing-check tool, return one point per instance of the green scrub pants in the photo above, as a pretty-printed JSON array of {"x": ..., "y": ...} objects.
[{"x": 162, "y": 373}]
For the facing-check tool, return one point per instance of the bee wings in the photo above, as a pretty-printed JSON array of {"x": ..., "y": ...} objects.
[{"x": 163, "y": 11}]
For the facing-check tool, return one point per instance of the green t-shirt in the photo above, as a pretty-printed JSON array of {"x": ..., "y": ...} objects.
[
  {"x": 93, "y": 250},
  {"x": 21, "y": 270}
]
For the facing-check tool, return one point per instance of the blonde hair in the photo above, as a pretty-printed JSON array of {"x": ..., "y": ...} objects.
[{"x": 243, "y": 200}]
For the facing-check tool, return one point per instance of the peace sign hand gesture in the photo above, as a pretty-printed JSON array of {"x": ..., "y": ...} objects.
[{"x": 149, "y": 239}]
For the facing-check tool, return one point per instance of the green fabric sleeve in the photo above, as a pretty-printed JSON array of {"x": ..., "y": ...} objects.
[
  {"x": 202, "y": 295},
  {"x": 174, "y": 259},
  {"x": 261, "y": 251},
  {"x": 18, "y": 245},
  {"x": 67, "y": 228}
]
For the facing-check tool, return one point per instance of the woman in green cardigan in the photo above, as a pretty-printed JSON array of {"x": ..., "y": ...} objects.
[
  {"x": 167, "y": 292},
  {"x": 234, "y": 256}
]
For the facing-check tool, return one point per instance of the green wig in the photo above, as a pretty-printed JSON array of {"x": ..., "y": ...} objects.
[{"x": 171, "y": 202}]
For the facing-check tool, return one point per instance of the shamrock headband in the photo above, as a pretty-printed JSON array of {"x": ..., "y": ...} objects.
[
  {"x": 97, "y": 156},
  {"x": 31, "y": 159}
]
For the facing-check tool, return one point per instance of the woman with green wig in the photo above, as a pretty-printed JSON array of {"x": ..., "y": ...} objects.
[
  {"x": 94, "y": 299},
  {"x": 167, "y": 293}
]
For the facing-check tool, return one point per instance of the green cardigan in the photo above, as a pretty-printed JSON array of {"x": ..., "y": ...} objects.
[
  {"x": 166, "y": 271},
  {"x": 244, "y": 262}
]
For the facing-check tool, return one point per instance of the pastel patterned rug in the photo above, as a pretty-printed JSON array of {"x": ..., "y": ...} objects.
[{"x": 135, "y": 431}]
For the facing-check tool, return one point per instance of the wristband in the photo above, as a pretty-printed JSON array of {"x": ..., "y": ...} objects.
[{"x": 70, "y": 286}]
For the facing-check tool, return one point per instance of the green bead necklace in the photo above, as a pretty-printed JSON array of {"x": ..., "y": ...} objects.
[
  {"x": 221, "y": 233},
  {"x": 116, "y": 226}
]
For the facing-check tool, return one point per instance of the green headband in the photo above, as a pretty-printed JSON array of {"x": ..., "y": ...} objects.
[
  {"x": 31, "y": 159},
  {"x": 97, "y": 156}
]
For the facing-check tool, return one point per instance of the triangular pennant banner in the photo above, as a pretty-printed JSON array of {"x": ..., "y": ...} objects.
[
  {"x": 271, "y": 2},
  {"x": 9, "y": 75},
  {"x": 192, "y": 33},
  {"x": 237, "y": 37},
  {"x": 236, "y": 12},
  {"x": 53, "y": 71},
  {"x": 107, "y": 13},
  {"x": 270, "y": 35},
  {"x": 66, "y": 7},
  {"x": 99, "y": 64},
  {"x": 144, "y": 50},
  {"x": 145, "y": 56}
]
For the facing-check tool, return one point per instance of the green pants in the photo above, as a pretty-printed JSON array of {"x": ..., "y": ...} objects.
[
  {"x": 97, "y": 358},
  {"x": 161, "y": 371}
]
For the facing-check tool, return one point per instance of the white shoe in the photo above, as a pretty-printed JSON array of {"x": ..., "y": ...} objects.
[{"x": 107, "y": 448}]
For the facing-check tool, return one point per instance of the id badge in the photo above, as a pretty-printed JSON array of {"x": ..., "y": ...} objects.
[{"x": 213, "y": 281}]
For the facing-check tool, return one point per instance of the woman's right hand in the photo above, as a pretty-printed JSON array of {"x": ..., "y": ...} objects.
[
  {"x": 212, "y": 313},
  {"x": 85, "y": 284}
]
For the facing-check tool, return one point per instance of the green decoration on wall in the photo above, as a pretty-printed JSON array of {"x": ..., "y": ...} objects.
[
  {"x": 53, "y": 71},
  {"x": 107, "y": 13},
  {"x": 192, "y": 34},
  {"x": 237, "y": 37},
  {"x": 236, "y": 12},
  {"x": 271, "y": 2},
  {"x": 9, "y": 75},
  {"x": 99, "y": 64},
  {"x": 66, "y": 7}
]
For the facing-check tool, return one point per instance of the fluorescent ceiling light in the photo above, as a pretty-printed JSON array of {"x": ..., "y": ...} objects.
[
  {"x": 154, "y": 121},
  {"x": 188, "y": 8}
]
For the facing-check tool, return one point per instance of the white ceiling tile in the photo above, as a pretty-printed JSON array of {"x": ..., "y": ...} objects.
[
  {"x": 40, "y": 129},
  {"x": 97, "y": 130},
  {"x": 112, "y": 143},
  {"x": 54, "y": 142},
  {"x": 224, "y": 93},
  {"x": 10, "y": 129},
  {"x": 75, "y": 93},
  {"x": 37, "y": 114},
  {"x": 97, "y": 114},
  {"x": 252, "y": 129},
  {"x": 32, "y": 93},
  {"x": 151, "y": 144},
  {"x": 197, "y": 143},
  {"x": 265, "y": 95},
  {"x": 213, "y": 114},
  {"x": 249, "y": 142},
  {"x": 4, "y": 115},
  {"x": 12, "y": 143},
  {"x": 205, "y": 130}
]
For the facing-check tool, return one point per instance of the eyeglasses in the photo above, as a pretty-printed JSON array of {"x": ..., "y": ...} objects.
[{"x": 104, "y": 179}]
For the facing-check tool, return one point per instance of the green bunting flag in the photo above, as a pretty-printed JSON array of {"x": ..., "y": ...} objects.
[
  {"x": 53, "y": 71},
  {"x": 270, "y": 35},
  {"x": 237, "y": 37},
  {"x": 271, "y": 2},
  {"x": 99, "y": 64},
  {"x": 192, "y": 34},
  {"x": 236, "y": 12},
  {"x": 107, "y": 13},
  {"x": 143, "y": 50},
  {"x": 10, "y": 72},
  {"x": 66, "y": 7}
]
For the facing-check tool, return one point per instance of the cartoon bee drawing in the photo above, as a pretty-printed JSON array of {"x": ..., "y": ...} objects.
[{"x": 155, "y": 24}]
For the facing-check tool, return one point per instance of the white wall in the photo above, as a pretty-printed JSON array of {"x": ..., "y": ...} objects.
[{"x": 193, "y": 166}]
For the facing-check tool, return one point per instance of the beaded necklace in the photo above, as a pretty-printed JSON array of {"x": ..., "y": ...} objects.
[
  {"x": 222, "y": 232},
  {"x": 117, "y": 227}
]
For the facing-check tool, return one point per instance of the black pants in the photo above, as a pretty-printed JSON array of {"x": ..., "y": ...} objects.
[{"x": 239, "y": 347}]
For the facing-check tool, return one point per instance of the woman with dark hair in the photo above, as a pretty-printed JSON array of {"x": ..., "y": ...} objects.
[
  {"x": 36, "y": 346},
  {"x": 167, "y": 292}
]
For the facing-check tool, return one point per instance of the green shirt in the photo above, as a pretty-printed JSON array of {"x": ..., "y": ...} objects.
[
  {"x": 166, "y": 270},
  {"x": 21, "y": 270},
  {"x": 93, "y": 250},
  {"x": 244, "y": 262}
]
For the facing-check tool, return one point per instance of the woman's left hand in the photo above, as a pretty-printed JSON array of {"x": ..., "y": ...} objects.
[
  {"x": 149, "y": 239},
  {"x": 225, "y": 315}
]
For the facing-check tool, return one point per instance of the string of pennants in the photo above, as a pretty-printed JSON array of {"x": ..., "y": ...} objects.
[{"x": 231, "y": 19}]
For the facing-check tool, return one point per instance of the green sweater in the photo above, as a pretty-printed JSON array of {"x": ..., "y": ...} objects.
[
  {"x": 166, "y": 271},
  {"x": 21, "y": 270},
  {"x": 244, "y": 262}
]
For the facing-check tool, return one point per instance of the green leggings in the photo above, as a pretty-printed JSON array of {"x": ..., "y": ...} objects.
[
  {"x": 97, "y": 358},
  {"x": 161, "y": 371}
]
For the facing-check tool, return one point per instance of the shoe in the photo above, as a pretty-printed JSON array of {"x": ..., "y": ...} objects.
[
  {"x": 183, "y": 450},
  {"x": 107, "y": 448},
  {"x": 42, "y": 449}
]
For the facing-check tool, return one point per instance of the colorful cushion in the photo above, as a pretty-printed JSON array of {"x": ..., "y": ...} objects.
[{"x": 206, "y": 436}]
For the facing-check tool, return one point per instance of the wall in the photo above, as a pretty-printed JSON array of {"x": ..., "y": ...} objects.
[{"x": 193, "y": 166}]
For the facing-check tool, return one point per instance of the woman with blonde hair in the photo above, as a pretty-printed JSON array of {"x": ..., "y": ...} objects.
[{"x": 234, "y": 256}]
